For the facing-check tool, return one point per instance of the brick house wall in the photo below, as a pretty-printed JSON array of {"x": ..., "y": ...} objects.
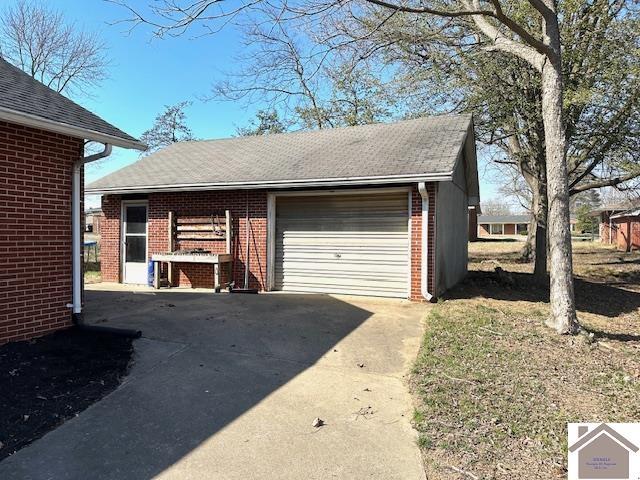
[
  {"x": 204, "y": 203},
  {"x": 484, "y": 230},
  {"x": 35, "y": 230}
]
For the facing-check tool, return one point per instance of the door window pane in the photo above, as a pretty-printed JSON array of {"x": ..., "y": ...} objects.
[
  {"x": 136, "y": 250},
  {"x": 137, "y": 219}
]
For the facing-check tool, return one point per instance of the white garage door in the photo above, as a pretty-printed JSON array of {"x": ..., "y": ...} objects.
[{"x": 349, "y": 244}]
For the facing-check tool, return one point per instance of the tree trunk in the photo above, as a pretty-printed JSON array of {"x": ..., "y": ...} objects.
[
  {"x": 535, "y": 248},
  {"x": 537, "y": 236},
  {"x": 540, "y": 265},
  {"x": 563, "y": 310}
]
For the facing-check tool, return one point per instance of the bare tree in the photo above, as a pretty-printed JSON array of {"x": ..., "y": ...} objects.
[
  {"x": 502, "y": 28},
  {"x": 496, "y": 207},
  {"x": 58, "y": 53}
]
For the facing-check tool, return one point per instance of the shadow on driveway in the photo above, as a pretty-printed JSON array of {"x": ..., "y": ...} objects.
[{"x": 227, "y": 386}]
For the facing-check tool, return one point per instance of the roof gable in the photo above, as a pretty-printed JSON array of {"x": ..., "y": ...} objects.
[
  {"x": 412, "y": 150},
  {"x": 26, "y": 101}
]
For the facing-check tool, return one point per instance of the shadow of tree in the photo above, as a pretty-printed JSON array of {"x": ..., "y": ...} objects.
[
  {"x": 597, "y": 298},
  {"x": 619, "y": 337}
]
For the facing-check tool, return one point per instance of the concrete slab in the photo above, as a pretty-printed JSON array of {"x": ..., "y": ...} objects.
[{"x": 226, "y": 387}]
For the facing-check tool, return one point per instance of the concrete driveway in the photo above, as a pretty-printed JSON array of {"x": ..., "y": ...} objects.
[{"x": 227, "y": 386}]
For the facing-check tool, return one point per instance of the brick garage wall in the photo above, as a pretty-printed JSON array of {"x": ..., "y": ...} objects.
[
  {"x": 628, "y": 233},
  {"x": 110, "y": 239},
  {"x": 473, "y": 224},
  {"x": 193, "y": 204},
  {"x": 484, "y": 230},
  {"x": 416, "y": 242},
  {"x": 204, "y": 203},
  {"x": 35, "y": 230}
]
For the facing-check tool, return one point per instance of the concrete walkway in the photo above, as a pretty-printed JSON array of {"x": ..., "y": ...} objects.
[{"x": 227, "y": 386}]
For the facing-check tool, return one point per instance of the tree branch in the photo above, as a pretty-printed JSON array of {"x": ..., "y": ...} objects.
[
  {"x": 432, "y": 11},
  {"x": 607, "y": 182}
]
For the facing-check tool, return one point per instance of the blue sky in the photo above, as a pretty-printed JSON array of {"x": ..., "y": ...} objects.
[{"x": 148, "y": 73}]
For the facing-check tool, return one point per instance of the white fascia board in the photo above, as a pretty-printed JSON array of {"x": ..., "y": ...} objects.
[
  {"x": 34, "y": 121},
  {"x": 277, "y": 184}
]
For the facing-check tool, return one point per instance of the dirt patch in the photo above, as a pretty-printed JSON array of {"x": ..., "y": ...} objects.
[
  {"x": 495, "y": 387},
  {"x": 45, "y": 381}
]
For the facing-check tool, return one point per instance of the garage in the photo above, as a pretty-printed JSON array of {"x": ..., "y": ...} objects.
[
  {"x": 375, "y": 210},
  {"x": 356, "y": 244}
]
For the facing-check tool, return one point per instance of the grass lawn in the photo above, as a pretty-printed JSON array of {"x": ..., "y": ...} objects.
[
  {"x": 495, "y": 388},
  {"x": 92, "y": 272}
]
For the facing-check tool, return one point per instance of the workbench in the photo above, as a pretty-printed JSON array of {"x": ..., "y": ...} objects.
[
  {"x": 217, "y": 260},
  {"x": 206, "y": 230}
]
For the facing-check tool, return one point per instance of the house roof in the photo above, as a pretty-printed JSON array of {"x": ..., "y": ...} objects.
[
  {"x": 627, "y": 213},
  {"x": 423, "y": 149},
  {"x": 621, "y": 206},
  {"x": 504, "y": 218},
  {"x": 26, "y": 101},
  {"x": 602, "y": 429}
]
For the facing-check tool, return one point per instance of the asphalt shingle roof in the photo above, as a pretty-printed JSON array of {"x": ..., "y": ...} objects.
[
  {"x": 23, "y": 94},
  {"x": 425, "y": 146}
]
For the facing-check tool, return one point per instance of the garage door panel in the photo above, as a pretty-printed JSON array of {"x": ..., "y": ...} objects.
[{"x": 349, "y": 244}]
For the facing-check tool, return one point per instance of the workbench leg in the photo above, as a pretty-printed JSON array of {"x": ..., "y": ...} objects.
[
  {"x": 216, "y": 277},
  {"x": 156, "y": 275}
]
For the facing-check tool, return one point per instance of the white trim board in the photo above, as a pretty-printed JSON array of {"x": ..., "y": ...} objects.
[
  {"x": 329, "y": 182},
  {"x": 34, "y": 121}
]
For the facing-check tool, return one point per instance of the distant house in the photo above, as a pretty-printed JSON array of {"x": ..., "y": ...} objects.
[
  {"x": 602, "y": 453},
  {"x": 92, "y": 220},
  {"x": 506, "y": 225},
  {"x": 620, "y": 225},
  {"x": 498, "y": 225}
]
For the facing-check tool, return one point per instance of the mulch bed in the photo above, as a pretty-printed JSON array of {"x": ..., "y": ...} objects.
[{"x": 45, "y": 381}]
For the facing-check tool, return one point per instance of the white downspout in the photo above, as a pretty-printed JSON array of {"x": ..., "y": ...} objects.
[
  {"x": 424, "y": 270},
  {"x": 76, "y": 189}
]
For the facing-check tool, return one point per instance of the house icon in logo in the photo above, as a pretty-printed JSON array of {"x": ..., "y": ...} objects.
[{"x": 602, "y": 453}]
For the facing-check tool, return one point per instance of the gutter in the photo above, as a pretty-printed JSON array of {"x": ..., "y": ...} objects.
[
  {"x": 424, "y": 270},
  {"x": 76, "y": 250},
  {"x": 273, "y": 184},
  {"x": 35, "y": 121}
]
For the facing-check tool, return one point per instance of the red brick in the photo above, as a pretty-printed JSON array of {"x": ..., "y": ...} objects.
[
  {"x": 204, "y": 203},
  {"x": 35, "y": 230}
]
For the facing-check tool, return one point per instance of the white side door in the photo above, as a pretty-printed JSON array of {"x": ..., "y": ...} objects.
[{"x": 134, "y": 242}]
